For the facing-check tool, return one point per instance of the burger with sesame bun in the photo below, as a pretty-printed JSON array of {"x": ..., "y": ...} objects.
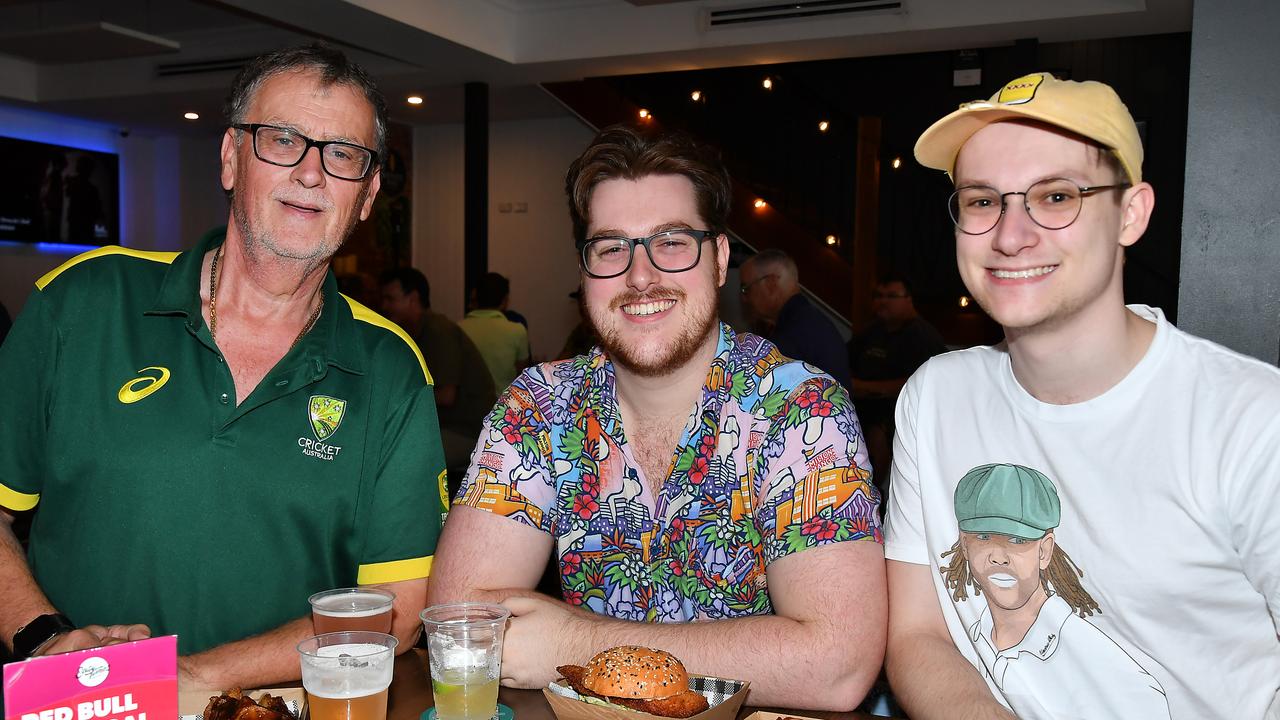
[{"x": 639, "y": 678}]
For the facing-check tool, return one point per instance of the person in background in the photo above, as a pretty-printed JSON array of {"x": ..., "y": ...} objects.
[
  {"x": 211, "y": 436},
  {"x": 702, "y": 493},
  {"x": 1097, "y": 427},
  {"x": 770, "y": 287},
  {"x": 503, "y": 343},
  {"x": 464, "y": 389},
  {"x": 882, "y": 357}
]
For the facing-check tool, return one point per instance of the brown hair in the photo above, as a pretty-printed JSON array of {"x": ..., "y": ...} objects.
[
  {"x": 1062, "y": 577},
  {"x": 629, "y": 153}
]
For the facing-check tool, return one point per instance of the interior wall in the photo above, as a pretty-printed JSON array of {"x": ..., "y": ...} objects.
[
  {"x": 530, "y": 237},
  {"x": 168, "y": 189},
  {"x": 1229, "y": 288},
  {"x": 198, "y": 181},
  {"x": 437, "y": 214}
]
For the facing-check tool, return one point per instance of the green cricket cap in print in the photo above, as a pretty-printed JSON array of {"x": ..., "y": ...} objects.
[{"x": 1007, "y": 500}]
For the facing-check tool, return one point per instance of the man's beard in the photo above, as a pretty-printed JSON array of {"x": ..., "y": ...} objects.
[{"x": 702, "y": 319}]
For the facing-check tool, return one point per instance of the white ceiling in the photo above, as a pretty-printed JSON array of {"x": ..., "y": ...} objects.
[{"x": 431, "y": 47}]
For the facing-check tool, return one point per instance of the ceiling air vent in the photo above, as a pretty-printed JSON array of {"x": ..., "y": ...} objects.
[
  {"x": 760, "y": 13},
  {"x": 197, "y": 67}
]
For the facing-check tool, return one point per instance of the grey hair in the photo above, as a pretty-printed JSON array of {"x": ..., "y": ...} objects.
[
  {"x": 334, "y": 69},
  {"x": 776, "y": 261}
]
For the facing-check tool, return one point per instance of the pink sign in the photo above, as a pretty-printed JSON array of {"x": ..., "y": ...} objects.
[{"x": 130, "y": 681}]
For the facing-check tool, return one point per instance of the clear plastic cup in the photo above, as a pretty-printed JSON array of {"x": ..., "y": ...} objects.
[
  {"x": 352, "y": 609},
  {"x": 464, "y": 647},
  {"x": 347, "y": 674}
]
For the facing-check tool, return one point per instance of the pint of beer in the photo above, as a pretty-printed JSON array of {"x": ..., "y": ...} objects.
[
  {"x": 346, "y": 674},
  {"x": 352, "y": 609}
]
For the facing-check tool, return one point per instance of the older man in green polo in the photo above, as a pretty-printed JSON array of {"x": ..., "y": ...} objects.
[{"x": 211, "y": 436}]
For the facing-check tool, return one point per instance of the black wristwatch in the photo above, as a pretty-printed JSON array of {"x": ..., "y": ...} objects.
[{"x": 33, "y": 636}]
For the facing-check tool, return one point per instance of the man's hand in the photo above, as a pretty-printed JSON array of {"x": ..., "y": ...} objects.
[
  {"x": 526, "y": 660},
  {"x": 92, "y": 636}
]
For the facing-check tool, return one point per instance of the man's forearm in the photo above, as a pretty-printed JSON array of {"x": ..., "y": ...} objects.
[
  {"x": 257, "y": 661},
  {"x": 20, "y": 597},
  {"x": 789, "y": 663},
  {"x": 931, "y": 679}
]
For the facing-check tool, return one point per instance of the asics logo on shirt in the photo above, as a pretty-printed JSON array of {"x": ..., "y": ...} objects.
[{"x": 138, "y": 388}]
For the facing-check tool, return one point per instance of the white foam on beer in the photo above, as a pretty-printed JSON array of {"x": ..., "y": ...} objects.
[
  {"x": 351, "y": 605},
  {"x": 327, "y": 677}
]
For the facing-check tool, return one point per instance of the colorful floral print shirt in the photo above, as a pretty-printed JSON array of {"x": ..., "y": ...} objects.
[{"x": 771, "y": 462}]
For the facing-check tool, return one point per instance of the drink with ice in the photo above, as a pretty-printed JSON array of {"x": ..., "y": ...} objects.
[
  {"x": 465, "y": 695},
  {"x": 464, "y": 647}
]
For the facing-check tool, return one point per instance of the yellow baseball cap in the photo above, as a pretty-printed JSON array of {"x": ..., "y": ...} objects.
[{"x": 1089, "y": 108}]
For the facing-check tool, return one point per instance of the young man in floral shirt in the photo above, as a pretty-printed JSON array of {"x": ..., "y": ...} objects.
[{"x": 702, "y": 493}]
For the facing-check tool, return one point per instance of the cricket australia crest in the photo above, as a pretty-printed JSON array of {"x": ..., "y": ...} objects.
[{"x": 325, "y": 414}]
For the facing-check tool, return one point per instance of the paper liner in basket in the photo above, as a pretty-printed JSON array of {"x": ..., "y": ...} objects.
[{"x": 725, "y": 697}]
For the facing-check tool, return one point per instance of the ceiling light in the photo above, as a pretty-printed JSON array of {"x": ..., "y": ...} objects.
[
  {"x": 832, "y": 240},
  {"x": 414, "y": 99},
  {"x": 767, "y": 84},
  {"x": 696, "y": 96},
  {"x": 759, "y": 203},
  {"x": 823, "y": 125},
  {"x": 964, "y": 301},
  {"x": 191, "y": 115},
  {"x": 644, "y": 114},
  {"x": 897, "y": 163}
]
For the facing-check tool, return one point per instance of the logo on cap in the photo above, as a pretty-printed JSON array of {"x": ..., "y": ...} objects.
[
  {"x": 1007, "y": 500},
  {"x": 1021, "y": 90}
]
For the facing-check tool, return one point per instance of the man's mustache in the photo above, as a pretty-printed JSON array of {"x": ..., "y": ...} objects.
[
  {"x": 320, "y": 202},
  {"x": 632, "y": 297}
]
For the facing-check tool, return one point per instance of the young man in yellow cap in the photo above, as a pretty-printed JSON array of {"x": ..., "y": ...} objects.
[{"x": 1163, "y": 447}]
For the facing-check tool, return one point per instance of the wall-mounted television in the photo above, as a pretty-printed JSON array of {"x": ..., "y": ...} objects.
[{"x": 57, "y": 194}]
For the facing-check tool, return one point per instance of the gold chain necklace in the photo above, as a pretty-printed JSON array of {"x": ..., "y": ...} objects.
[{"x": 213, "y": 304}]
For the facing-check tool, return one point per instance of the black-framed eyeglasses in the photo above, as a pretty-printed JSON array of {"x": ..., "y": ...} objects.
[
  {"x": 286, "y": 148},
  {"x": 746, "y": 286},
  {"x": 671, "y": 251},
  {"x": 1052, "y": 204}
]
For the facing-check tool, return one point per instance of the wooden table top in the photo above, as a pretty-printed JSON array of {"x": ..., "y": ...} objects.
[{"x": 411, "y": 696}]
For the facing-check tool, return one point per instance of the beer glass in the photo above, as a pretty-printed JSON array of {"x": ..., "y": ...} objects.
[
  {"x": 464, "y": 647},
  {"x": 352, "y": 609},
  {"x": 347, "y": 674}
]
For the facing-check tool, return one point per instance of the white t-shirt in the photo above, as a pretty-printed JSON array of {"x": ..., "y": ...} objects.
[{"x": 1169, "y": 485}]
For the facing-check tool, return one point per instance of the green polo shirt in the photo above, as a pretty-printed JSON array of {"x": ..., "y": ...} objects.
[{"x": 163, "y": 502}]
